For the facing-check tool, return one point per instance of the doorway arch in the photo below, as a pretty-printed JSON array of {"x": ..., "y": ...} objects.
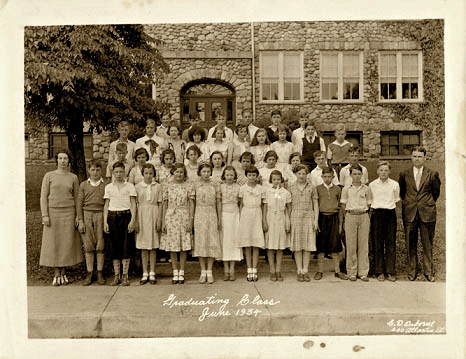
[{"x": 204, "y": 96}]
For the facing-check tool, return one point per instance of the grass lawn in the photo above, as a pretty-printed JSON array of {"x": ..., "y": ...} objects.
[{"x": 37, "y": 275}]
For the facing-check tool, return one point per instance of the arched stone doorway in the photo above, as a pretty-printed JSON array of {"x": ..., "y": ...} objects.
[{"x": 204, "y": 96}]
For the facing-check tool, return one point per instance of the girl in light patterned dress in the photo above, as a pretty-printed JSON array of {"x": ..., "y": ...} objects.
[
  {"x": 218, "y": 162},
  {"x": 246, "y": 160},
  {"x": 240, "y": 145},
  {"x": 231, "y": 249},
  {"x": 278, "y": 218},
  {"x": 177, "y": 217},
  {"x": 175, "y": 143},
  {"x": 141, "y": 156},
  {"x": 252, "y": 212},
  {"x": 191, "y": 162},
  {"x": 304, "y": 221},
  {"x": 282, "y": 147},
  {"x": 149, "y": 219},
  {"x": 167, "y": 158},
  {"x": 207, "y": 221},
  {"x": 260, "y": 144}
]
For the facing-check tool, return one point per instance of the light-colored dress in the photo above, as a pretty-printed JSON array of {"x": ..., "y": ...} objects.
[
  {"x": 303, "y": 236},
  {"x": 135, "y": 175},
  {"x": 191, "y": 171},
  {"x": 284, "y": 150},
  {"x": 61, "y": 242},
  {"x": 164, "y": 174},
  {"x": 149, "y": 201},
  {"x": 217, "y": 175},
  {"x": 265, "y": 172},
  {"x": 177, "y": 219},
  {"x": 276, "y": 237},
  {"x": 206, "y": 234},
  {"x": 259, "y": 154},
  {"x": 238, "y": 149},
  {"x": 250, "y": 221},
  {"x": 203, "y": 147},
  {"x": 179, "y": 147},
  {"x": 222, "y": 147},
  {"x": 231, "y": 248}
]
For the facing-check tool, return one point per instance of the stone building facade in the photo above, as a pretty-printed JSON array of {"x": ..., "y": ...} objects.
[{"x": 383, "y": 79}]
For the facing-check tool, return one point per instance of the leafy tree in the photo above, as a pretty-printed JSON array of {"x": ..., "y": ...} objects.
[{"x": 93, "y": 74}]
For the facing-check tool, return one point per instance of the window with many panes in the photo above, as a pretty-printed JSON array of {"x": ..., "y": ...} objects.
[
  {"x": 400, "y": 76},
  {"x": 281, "y": 76},
  {"x": 59, "y": 141},
  {"x": 341, "y": 76},
  {"x": 398, "y": 143}
]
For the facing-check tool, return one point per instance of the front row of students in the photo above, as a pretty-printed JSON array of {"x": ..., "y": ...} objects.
[{"x": 226, "y": 217}]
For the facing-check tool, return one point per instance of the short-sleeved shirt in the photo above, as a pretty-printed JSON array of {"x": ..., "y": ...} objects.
[
  {"x": 356, "y": 198},
  {"x": 119, "y": 197},
  {"x": 329, "y": 198},
  {"x": 384, "y": 194},
  {"x": 252, "y": 196},
  {"x": 346, "y": 179}
]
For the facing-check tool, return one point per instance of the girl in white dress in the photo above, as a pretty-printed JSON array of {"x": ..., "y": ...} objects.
[
  {"x": 283, "y": 148},
  {"x": 221, "y": 145},
  {"x": 141, "y": 156},
  {"x": 197, "y": 136},
  {"x": 278, "y": 218},
  {"x": 260, "y": 144},
  {"x": 240, "y": 145},
  {"x": 231, "y": 249},
  {"x": 149, "y": 217},
  {"x": 252, "y": 212}
]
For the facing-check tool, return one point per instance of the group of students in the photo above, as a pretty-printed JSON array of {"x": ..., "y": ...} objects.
[{"x": 220, "y": 202}]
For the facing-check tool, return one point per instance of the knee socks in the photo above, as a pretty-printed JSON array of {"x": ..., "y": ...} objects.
[{"x": 89, "y": 261}]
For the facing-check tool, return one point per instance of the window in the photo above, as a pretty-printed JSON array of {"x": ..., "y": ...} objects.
[
  {"x": 148, "y": 90},
  {"x": 400, "y": 76},
  {"x": 59, "y": 141},
  {"x": 354, "y": 137},
  {"x": 26, "y": 145},
  {"x": 281, "y": 76},
  {"x": 398, "y": 143},
  {"x": 341, "y": 76}
]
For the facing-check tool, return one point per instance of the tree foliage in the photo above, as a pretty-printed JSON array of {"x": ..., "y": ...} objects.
[{"x": 93, "y": 74}]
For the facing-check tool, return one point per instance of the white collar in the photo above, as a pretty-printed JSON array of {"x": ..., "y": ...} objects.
[
  {"x": 340, "y": 144},
  {"x": 328, "y": 187},
  {"x": 418, "y": 169},
  {"x": 145, "y": 185},
  {"x": 95, "y": 184}
]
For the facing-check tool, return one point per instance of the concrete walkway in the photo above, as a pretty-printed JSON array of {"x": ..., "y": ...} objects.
[{"x": 240, "y": 308}]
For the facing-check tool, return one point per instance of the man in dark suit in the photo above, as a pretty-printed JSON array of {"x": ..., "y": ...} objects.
[{"x": 419, "y": 190}]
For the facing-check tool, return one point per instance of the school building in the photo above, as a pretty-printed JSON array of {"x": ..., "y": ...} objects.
[{"x": 383, "y": 79}]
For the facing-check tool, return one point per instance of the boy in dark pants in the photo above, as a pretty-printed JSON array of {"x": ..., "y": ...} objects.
[
  {"x": 385, "y": 193},
  {"x": 330, "y": 223},
  {"x": 91, "y": 220},
  {"x": 120, "y": 221}
]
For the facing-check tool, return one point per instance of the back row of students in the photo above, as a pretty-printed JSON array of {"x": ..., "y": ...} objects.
[
  {"x": 249, "y": 208},
  {"x": 246, "y": 137}
]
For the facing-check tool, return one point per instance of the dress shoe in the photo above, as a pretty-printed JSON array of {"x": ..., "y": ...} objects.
[
  {"x": 279, "y": 276},
  {"x": 306, "y": 277},
  {"x": 341, "y": 275},
  {"x": 226, "y": 276},
  {"x": 232, "y": 276},
  {"x": 100, "y": 278},
  {"x": 124, "y": 280},
  {"x": 116, "y": 280},
  {"x": 364, "y": 278},
  {"x": 88, "y": 279},
  {"x": 318, "y": 276},
  {"x": 391, "y": 278},
  {"x": 412, "y": 277},
  {"x": 273, "y": 277},
  {"x": 352, "y": 278},
  {"x": 381, "y": 277},
  {"x": 300, "y": 277}
]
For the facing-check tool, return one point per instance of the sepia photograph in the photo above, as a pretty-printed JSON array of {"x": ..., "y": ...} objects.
[{"x": 272, "y": 182}]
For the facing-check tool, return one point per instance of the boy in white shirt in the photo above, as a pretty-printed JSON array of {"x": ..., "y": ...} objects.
[
  {"x": 385, "y": 194},
  {"x": 153, "y": 144},
  {"x": 316, "y": 174},
  {"x": 353, "y": 158},
  {"x": 221, "y": 122}
]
